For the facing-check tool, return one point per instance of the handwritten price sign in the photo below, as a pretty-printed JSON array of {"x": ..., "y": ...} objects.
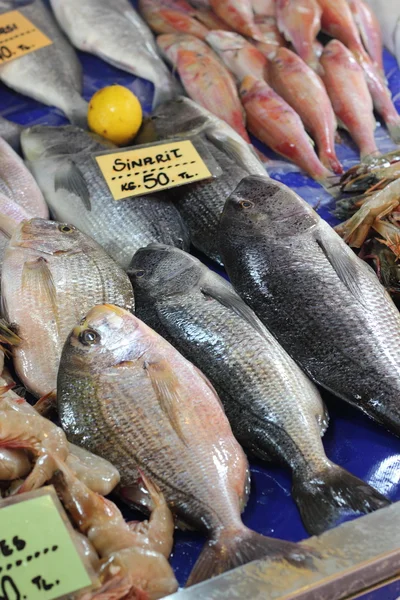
[
  {"x": 18, "y": 36},
  {"x": 148, "y": 169},
  {"x": 38, "y": 558}
]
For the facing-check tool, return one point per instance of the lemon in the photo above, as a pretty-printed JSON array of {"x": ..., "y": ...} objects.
[{"x": 115, "y": 113}]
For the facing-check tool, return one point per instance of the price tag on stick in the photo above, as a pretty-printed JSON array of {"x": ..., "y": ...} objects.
[
  {"x": 146, "y": 169},
  {"x": 19, "y": 36},
  {"x": 38, "y": 557}
]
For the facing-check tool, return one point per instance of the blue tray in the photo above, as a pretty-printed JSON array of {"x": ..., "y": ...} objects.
[{"x": 352, "y": 440}]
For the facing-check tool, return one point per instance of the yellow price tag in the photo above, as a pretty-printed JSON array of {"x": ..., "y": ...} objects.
[
  {"x": 147, "y": 169},
  {"x": 38, "y": 558},
  {"x": 19, "y": 36}
]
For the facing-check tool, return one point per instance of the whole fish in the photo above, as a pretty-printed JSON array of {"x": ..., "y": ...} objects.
[
  {"x": 345, "y": 83},
  {"x": 155, "y": 411},
  {"x": 239, "y": 15},
  {"x": 276, "y": 124},
  {"x": 271, "y": 36},
  {"x": 205, "y": 78},
  {"x": 322, "y": 303},
  {"x": 337, "y": 20},
  {"x": 52, "y": 275},
  {"x": 301, "y": 87},
  {"x": 201, "y": 203},
  {"x": 300, "y": 23},
  {"x": 117, "y": 34},
  {"x": 61, "y": 159},
  {"x": 238, "y": 55},
  {"x": 52, "y": 74},
  {"x": 10, "y": 132},
  {"x": 369, "y": 29},
  {"x": 272, "y": 407}
]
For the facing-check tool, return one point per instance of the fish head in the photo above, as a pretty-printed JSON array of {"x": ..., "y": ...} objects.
[
  {"x": 48, "y": 237},
  {"x": 42, "y": 141},
  {"x": 225, "y": 41},
  {"x": 286, "y": 60},
  {"x": 165, "y": 270},
  {"x": 106, "y": 337},
  {"x": 267, "y": 208},
  {"x": 177, "y": 117},
  {"x": 337, "y": 52},
  {"x": 251, "y": 88}
]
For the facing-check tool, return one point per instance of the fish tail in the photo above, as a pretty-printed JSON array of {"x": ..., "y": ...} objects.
[
  {"x": 331, "y": 494},
  {"x": 164, "y": 91},
  {"x": 233, "y": 548},
  {"x": 77, "y": 114},
  {"x": 331, "y": 162}
]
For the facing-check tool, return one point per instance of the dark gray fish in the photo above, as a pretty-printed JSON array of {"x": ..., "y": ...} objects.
[
  {"x": 61, "y": 159},
  {"x": 201, "y": 203},
  {"x": 323, "y": 304},
  {"x": 273, "y": 408}
]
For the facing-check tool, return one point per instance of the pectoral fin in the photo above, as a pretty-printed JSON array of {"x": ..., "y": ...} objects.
[
  {"x": 37, "y": 276},
  {"x": 167, "y": 389},
  {"x": 68, "y": 177}
]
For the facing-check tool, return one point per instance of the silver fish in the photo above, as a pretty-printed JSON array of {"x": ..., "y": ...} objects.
[
  {"x": 323, "y": 304},
  {"x": 52, "y": 74},
  {"x": 116, "y": 33},
  {"x": 61, "y": 159}
]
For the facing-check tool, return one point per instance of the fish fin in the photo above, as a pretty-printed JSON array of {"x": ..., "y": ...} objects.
[
  {"x": 394, "y": 131},
  {"x": 7, "y": 224},
  {"x": 46, "y": 406},
  {"x": 68, "y": 177},
  {"x": 233, "y": 548},
  {"x": 224, "y": 293},
  {"x": 344, "y": 268},
  {"x": 166, "y": 387},
  {"x": 37, "y": 275},
  {"x": 331, "y": 494}
]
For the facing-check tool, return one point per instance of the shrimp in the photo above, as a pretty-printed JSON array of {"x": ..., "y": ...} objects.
[{"x": 134, "y": 556}]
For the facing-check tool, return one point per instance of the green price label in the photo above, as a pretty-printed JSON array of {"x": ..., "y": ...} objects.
[{"x": 38, "y": 557}]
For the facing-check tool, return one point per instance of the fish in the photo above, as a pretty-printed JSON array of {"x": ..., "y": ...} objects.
[
  {"x": 264, "y": 7},
  {"x": 337, "y": 20},
  {"x": 239, "y": 56},
  {"x": 300, "y": 23},
  {"x": 156, "y": 412},
  {"x": 10, "y": 132},
  {"x": 345, "y": 83},
  {"x": 116, "y": 33},
  {"x": 301, "y": 87},
  {"x": 205, "y": 78},
  {"x": 277, "y": 125},
  {"x": 61, "y": 159},
  {"x": 271, "y": 36},
  {"x": 200, "y": 204},
  {"x": 322, "y": 303},
  {"x": 52, "y": 74},
  {"x": 57, "y": 273},
  {"x": 370, "y": 31},
  {"x": 239, "y": 15},
  {"x": 273, "y": 408}
]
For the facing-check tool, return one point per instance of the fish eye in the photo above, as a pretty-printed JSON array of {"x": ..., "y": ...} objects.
[
  {"x": 139, "y": 273},
  {"x": 246, "y": 204},
  {"x": 66, "y": 228},
  {"x": 88, "y": 337}
]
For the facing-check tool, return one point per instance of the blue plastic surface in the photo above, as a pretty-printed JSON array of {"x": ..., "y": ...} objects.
[{"x": 352, "y": 440}]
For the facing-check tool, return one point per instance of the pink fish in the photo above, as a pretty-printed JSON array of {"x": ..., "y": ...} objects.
[
  {"x": 238, "y": 55},
  {"x": 276, "y": 124},
  {"x": 348, "y": 91},
  {"x": 205, "y": 78},
  {"x": 239, "y": 15},
  {"x": 301, "y": 87},
  {"x": 369, "y": 29},
  {"x": 264, "y": 7},
  {"x": 300, "y": 23},
  {"x": 271, "y": 36}
]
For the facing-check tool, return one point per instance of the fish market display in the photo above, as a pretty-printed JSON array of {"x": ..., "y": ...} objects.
[
  {"x": 205, "y": 78},
  {"x": 294, "y": 81},
  {"x": 300, "y": 22},
  {"x": 117, "y": 34},
  {"x": 61, "y": 159},
  {"x": 10, "y": 132},
  {"x": 348, "y": 91},
  {"x": 52, "y": 74},
  {"x": 201, "y": 203},
  {"x": 276, "y": 124},
  {"x": 52, "y": 274},
  {"x": 238, "y": 55},
  {"x": 154, "y": 411},
  {"x": 323, "y": 304},
  {"x": 271, "y": 405}
]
